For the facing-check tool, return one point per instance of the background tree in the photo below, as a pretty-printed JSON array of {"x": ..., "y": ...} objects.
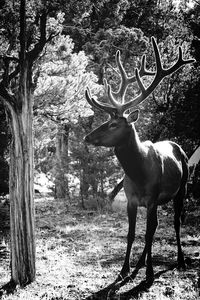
[
  {"x": 60, "y": 103},
  {"x": 61, "y": 116}
]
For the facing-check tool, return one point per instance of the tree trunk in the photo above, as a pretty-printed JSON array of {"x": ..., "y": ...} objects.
[
  {"x": 16, "y": 94},
  {"x": 21, "y": 198},
  {"x": 21, "y": 185},
  {"x": 62, "y": 161}
]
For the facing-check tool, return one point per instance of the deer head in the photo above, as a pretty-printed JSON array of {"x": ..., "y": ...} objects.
[{"x": 118, "y": 127}]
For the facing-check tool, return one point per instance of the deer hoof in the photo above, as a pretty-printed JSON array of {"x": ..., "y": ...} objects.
[{"x": 149, "y": 277}]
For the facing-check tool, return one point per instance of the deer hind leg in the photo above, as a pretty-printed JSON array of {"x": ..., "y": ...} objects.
[
  {"x": 152, "y": 223},
  {"x": 178, "y": 207}
]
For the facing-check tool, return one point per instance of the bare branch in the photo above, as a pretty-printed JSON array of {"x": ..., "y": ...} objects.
[
  {"x": 9, "y": 58},
  {"x": 34, "y": 53}
]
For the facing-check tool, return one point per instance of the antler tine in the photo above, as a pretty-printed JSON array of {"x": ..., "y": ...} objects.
[
  {"x": 120, "y": 94},
  {"x": 143, "y": 71},
  {"x": 99, "y": 105},
  {"x": 180, "y": 62},
  {"x": 116, "y": 107},
  {"x": 161, "y": 73},
  {"x": 125, "y": 80},
  {"x": 110, "y": 94},
  {"x": 120, "y": 66}
]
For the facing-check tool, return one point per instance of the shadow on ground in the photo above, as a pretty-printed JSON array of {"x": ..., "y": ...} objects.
[
  {"x": 8, "y": 288},
  {"x": 143, "y": 287}
]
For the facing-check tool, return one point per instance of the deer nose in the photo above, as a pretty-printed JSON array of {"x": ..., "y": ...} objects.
[{"x": 87, "y": 139}]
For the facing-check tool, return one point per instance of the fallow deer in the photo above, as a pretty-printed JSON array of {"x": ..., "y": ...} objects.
[{"x": 154, "y": 172}]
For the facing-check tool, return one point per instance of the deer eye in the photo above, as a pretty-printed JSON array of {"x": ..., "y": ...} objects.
[{"x": 113, "y": 125}]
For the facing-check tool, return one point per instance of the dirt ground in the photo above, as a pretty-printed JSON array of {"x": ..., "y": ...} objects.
[{"x": 80, "y": 252}]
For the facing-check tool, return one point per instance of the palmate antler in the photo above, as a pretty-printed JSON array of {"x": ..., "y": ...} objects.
[{"x": 117, "y": 104}]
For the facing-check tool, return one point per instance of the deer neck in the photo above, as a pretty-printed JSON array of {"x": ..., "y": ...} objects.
[{"x": 130, "y": 154}]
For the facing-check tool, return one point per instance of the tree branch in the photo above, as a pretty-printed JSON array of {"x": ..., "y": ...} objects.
[
  {"x": 7, "y": 77},
  {"x": 6, "y": 96},
  {"x": 22, "y": 35},
  {"x": 14, "y": 73},
  {"x": 9, "y": 58},
  {"x": 34, "y": 53}
]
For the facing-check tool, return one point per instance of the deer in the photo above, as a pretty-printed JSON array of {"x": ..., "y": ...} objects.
[{"x": 155, "y": 173}]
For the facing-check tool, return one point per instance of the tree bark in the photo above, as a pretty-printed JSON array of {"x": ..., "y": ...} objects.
[
  {"x": 21, "y": 190},
  {"x": 16, "y": 94},
  {"x": 22, "y": 227}
]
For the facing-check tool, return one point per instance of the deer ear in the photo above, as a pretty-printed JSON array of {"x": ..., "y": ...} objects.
[{"x": 133, "y": 116}]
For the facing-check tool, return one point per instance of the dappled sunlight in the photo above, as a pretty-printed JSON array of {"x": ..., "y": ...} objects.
[{"x": 79, "y": 252}]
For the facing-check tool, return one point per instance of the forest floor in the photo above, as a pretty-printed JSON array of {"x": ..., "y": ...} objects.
[{"x": 80, "y": 252}]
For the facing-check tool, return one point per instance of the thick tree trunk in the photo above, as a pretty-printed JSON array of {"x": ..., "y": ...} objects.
[
  {"x": 21, "y": 193},
  {"x": 16, "y": 94}
]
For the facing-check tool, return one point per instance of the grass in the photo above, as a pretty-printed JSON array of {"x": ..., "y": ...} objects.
[{"x": 80, "y": 252}]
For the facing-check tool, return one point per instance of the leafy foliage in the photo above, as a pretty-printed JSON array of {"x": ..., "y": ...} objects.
[
  {"x": 59, "y": 100},
  {"x": 61, "y": 81}
]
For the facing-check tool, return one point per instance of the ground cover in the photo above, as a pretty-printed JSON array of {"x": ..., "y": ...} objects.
[{"x": 80, "y": 252}]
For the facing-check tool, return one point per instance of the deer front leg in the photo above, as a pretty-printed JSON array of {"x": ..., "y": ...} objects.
[
  {"x": 132, "y": 213},
  {"x": 152, "y": 223}
]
